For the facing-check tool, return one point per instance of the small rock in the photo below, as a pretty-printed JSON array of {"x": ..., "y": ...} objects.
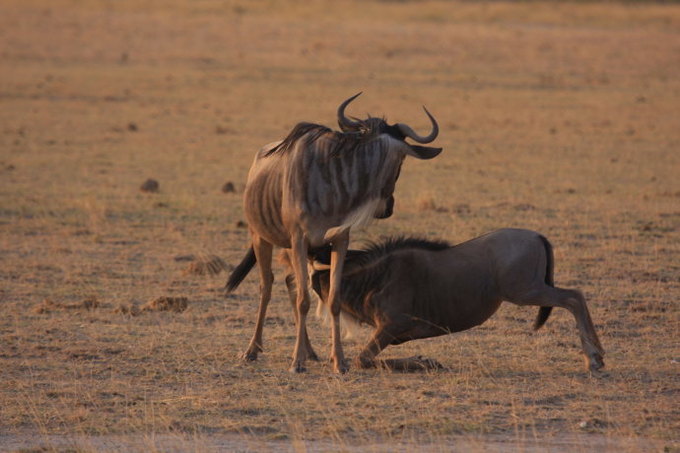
[
  {"x": 228, "y": 187},
  {"x": 132, "y": 127},
  {"x": 524, "y": 207},
  {"x": 150, "y": 185},
  {"x": 593, "y": 423}
]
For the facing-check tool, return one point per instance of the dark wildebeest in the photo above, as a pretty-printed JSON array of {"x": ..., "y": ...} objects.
[
  {"x": 306, "y": 192},
  {"x": 412, "y": 288}
]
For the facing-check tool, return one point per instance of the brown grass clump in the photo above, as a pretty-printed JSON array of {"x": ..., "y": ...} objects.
[
  {"x": 166, "y": 303},
  {"x": 427, "y": 203},
  {"x": 48, "y": 305},
  {"x": 206, "y": 265},
  {"x": 163, "y": 303},
  {"x": 128, "y": 309}
]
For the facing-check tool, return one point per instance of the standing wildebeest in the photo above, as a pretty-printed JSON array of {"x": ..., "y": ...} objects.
[
  {"x": 411, "y": 288},
  {"x": 306, "y": 192}
]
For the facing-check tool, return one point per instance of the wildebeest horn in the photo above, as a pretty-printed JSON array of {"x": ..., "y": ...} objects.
[
  {"x": 342, "y": 119},
  {"x": 407, "y": 131}
]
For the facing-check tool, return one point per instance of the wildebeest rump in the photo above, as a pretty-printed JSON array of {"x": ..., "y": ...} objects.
[
  {"x": 411, "y": 288},
  {"x": 308, "y": 191}
]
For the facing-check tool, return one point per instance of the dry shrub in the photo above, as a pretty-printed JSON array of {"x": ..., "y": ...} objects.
[
  {"x": 125, "y": 309},
  {"x": 206, "y": 265},
  {"x": 167, "y": 303},
  {"x": 428, "y": 203},
  {"x": 48, "y": 305},
  {"x": 162, "y": 303}
]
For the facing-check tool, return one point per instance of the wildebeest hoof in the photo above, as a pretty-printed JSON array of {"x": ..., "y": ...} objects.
[
  {"x": 297, "y": 367},
  {"x": 599, "y": 374},
  {"x": 249, "y": 356},
  {"x": 595, "y": 363},
  {"x": 340, "y": 367},
  {"x": 596, "y": 369},
  {"x": 428, "y": 364}
]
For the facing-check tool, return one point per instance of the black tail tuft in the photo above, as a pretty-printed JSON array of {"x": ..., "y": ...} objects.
[
  {"x": 240, "y": 272},
  {"x": 544, "y": 312},
  {"x": 542, "y": 317}
]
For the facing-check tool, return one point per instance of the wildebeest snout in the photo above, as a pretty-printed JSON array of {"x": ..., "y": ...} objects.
[{"x": 385, "y": 208}]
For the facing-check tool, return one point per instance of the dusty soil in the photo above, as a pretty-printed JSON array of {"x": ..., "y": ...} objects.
[
  {"x": 248, "y": 443},
  {"x": 559, "y": 117}
]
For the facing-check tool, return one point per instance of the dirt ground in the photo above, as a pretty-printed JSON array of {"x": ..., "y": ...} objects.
[{"x": 559, "y": 117}]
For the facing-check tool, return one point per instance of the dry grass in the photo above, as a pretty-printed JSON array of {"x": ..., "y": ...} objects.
[{"x": 560, "y": 117}]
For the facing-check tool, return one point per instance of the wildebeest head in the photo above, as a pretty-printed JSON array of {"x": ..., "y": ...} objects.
[
  {"x": 374, "y": 127},
  {"x": 398, "y": 131}
]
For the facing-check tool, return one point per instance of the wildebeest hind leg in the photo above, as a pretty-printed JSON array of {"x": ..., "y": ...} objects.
[
  {"x": 263, "y": 253},
  {"x": 573, "y": 301}
]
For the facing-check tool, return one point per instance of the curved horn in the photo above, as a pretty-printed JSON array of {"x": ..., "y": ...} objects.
[
  {"x": 407, "y": 131},
  {"x": 343, "y": 121}
]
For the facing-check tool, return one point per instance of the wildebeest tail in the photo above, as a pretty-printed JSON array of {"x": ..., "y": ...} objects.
[
  {"x": 240, "y": 272},
  {"x": 544, "y": 312}
]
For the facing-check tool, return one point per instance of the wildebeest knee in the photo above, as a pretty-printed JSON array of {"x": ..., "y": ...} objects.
[{"x": 303, "y": 305}]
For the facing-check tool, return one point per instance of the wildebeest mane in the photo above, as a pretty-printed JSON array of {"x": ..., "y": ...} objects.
[
  {"x": 347, "y": 141},
  {"x": 377, "y": 250}
]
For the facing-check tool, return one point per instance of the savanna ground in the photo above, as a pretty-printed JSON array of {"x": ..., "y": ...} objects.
[{"x": 559, "y": 117}]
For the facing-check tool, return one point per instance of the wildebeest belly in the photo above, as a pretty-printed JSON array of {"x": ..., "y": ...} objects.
[
  {"x": 262, "y": 203},
  {"x": 457, "y": 295}
]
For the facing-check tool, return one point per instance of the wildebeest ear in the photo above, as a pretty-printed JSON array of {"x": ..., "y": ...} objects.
[{"x": 423, "y": 152}]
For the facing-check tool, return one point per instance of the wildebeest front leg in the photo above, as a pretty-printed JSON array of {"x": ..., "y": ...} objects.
[
  {"x": 338, "y": 253},
  {"x": 382, "y": 338},
  {"x": 292, "y": 295},
  {"x": 298, "y": 256},
  {"x": 417, "y": 363},
  {"x": 263, "y": 253},
  {"x": 573, "y": 301}
]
